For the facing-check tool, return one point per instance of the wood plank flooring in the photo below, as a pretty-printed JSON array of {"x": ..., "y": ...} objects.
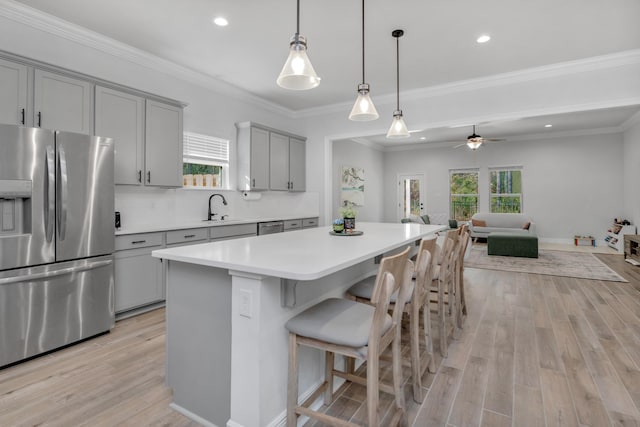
[{"x": 535, "y": 351}]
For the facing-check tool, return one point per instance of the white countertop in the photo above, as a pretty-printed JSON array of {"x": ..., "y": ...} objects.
[
  {"x": 175, "y": 225},
  {"x": 303, "y": 254}
]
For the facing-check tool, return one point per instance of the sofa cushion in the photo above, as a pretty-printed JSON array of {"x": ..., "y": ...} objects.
[
  {"x": 487, "y": 230},
  {"x": 478, "y": 222},
  {"x": 503, "y": 220}
]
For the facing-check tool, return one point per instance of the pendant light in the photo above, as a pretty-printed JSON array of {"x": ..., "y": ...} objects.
[
  {"x": 398, "y": 129},
  {"x": 363, "y": 110},
  {"x": 298, "y": 73}
]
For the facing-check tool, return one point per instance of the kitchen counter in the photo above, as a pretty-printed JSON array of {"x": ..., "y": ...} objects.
[
  {"x": 228, "y": 301},
  {"x": 174, "y": 225}
]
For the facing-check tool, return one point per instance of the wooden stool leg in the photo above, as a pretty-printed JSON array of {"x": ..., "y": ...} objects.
[
  {"x": 397, "y": 374},
  {"x": 292, "y": 386},
  {"x": 372, "y": 389},
  {"x": 328, "y": 376},
  {"x": 442, "y": 320},
  {"x": 428, "y": 336},
  {"x": 416, "y": 369}
]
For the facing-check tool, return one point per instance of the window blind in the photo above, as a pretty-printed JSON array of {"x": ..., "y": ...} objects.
[{"x": 205, "y": 149}]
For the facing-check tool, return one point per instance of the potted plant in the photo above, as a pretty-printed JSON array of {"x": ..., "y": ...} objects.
[
  {"x": 338, "y": 225},
  {"x": 349, "y": 213}
]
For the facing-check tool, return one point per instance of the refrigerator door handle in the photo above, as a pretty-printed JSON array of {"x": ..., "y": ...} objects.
[
  {"x": 63, "y": 192},
  {"x": 54, "y": 273},
  {"x": 50, "y": 193}
]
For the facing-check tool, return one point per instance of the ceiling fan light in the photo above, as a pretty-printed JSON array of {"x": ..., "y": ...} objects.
[
  {"x": 298, "y": 73},
  {"x": 474, "y": 144},
  {"x": 363, "y": 109},
  {"x": 398, "y": 128}
]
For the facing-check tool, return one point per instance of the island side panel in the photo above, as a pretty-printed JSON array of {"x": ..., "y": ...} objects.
[{"x": 199, "y": 340}]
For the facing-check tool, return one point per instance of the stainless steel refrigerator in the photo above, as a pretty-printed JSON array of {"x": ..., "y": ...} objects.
[{"x": 56, "y": 239}]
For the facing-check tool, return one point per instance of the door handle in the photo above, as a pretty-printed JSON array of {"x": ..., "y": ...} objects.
[
  {"x": 63, "y": 191},
  {"x": 253, "y": 183},
  {"x": 139, "y": 176},
  {"x": 148, "y": 177},
  {"x": 39, "y": 119},
  {"x": 22, "y": 116},
  {"x": 50, "y": 194}
]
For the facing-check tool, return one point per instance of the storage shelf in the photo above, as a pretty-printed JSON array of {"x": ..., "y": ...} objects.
[{"x": 616, "y": 240}]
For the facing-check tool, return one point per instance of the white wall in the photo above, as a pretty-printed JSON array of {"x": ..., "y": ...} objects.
[
  {"x": 349, "y": 153},
  {"x": 570, "y": 185},
  {"x": 631, "y": 165}
]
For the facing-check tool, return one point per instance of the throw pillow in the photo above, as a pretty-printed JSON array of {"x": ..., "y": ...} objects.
[
  {"x": 527, "y": 225},
  {"x": 478, "y": 223},
  {"x": 453, "y": 223},
  {"x": 425, "y": 219},
  {"x": 416, "y": 218}
]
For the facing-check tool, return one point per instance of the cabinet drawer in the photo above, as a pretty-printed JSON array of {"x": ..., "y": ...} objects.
[
  {"x": 225, "y": 231},
  {"x": 293, "y": 224},
  {"x": 188, "y": 235},
  {"x": 309, "y": 222},
  {"x": 134, "y": 241}
]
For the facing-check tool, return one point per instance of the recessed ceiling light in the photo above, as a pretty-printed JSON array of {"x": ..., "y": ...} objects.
[
  {"x": 483, "y": 39},
  {"x": 548, "y": 126},
  {"x": 220, "y": 21},
  {"x": 422, "y": 138}
]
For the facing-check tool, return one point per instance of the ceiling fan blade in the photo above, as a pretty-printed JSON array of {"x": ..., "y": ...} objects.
[
  {"x": 493, "y": 139},
  {"x": 460, "y": 145}
]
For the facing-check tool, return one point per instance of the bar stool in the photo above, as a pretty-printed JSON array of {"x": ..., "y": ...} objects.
[
  {"x": 417, "y": 304},
  {"x": 354, "y": 330},
  {"x": 461, "y": 302},
  {"x": 443, "y": 289}
]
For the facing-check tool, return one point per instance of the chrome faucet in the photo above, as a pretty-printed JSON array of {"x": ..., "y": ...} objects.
[{"x": 210, "y": 215}]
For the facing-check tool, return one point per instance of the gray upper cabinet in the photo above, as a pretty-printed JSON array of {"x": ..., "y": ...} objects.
[
  {"x": 13, "y": 93},
  {"x": 269, "y": 159},
  {"x": 253, "y": 158},
  {"x": 163, "y": 145},
  {"x": 279, "y": 162},
  {"x": 297, "y": 165},
  {"x": 120, "y": 116},
  {"x": 62, "y": 103}
]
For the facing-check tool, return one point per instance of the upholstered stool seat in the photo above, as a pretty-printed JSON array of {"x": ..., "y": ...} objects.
[
  {"x": 364, "y": 289},
  {"x": 337, "y": 321},
  {"x": 513, "y": 244}
]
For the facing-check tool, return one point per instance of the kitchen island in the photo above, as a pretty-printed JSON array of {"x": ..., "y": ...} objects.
[{"x": 228, "y": 301}]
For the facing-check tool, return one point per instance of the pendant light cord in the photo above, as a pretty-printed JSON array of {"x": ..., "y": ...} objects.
[
  {"x": 298, "y": 19},
  {"x": 363, "y": 80},
  {"x": 398, "y": 73}
]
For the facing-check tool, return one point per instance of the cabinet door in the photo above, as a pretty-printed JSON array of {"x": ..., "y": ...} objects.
[
  {"x": 120, "y": 116},
  {"x": 62, "y": 103},
  {"x": 279, "y": 162},
  {"x": 259, "y": 159},
  {"x": 297, "y": 165},
  {"x": 13, "y": 93},
  {"x": 138, "y": 279},
  {"x": 163, "y": 145}
]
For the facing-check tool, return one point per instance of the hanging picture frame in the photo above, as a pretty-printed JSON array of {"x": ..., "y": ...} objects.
[{"x": 352, "y": 186}]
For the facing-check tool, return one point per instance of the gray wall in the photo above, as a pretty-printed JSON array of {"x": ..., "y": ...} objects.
[
  {"x": 631, "y": 164},
  {"x": 348, "y": 153},
  {"x": 571, "y": 185}
]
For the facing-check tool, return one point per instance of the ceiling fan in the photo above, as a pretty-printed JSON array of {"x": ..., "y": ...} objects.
[{"x": 474, "y": 141}]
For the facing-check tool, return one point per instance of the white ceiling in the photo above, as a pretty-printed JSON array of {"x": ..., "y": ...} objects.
[{"x": 438, "y": 47}]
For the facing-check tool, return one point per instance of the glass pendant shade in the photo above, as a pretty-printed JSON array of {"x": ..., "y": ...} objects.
[
  {"x": 398, "y": 128},
  {"x": 363, "y": 110},
  {"x": 298, "y": 73}
]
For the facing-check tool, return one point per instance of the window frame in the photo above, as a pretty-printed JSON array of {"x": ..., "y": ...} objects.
[
  {"x": 476, "y": 195},
  {"x": 519, "y": 195},
  {"x": 201, "y": 158}
]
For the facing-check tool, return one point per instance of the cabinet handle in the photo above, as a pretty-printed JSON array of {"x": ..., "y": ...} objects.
[
  {"x": 139, "y": 176},
  {"x": 253, "y": 183},
  {"x": 148, "y": 177},
  {"x": 39, "y": 119},
  {"x": 22, "y": 115},
  {"x": 189, "y": 236},
  {"x": 137, "y": 242}
]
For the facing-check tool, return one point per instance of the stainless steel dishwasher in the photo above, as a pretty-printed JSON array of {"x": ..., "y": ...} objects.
[{"x": 270, "y": 227}]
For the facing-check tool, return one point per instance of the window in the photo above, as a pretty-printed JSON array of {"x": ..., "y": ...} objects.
[
  {"x": 506, "y": 190},
  {"x": 463, "y": 194},
  {"x": 205, "y": 161}
]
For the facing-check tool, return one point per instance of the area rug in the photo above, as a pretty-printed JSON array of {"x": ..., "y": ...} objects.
[{"x": 553, "y": 263}]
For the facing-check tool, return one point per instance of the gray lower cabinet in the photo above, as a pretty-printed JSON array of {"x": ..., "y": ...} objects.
[
  {"x": 138, "y": 276},
  {"x": 310, "y": 222}
]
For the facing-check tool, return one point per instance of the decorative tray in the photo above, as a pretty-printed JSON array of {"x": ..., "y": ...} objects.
[{"x": 353, "y": 233}]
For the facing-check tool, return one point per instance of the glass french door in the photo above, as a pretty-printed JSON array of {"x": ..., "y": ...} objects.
[{"x": 411, "y": 195}]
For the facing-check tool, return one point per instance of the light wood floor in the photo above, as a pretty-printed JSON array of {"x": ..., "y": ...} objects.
[{"x": 535, "y": 351}]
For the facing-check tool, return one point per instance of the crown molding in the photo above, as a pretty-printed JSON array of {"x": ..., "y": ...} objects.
[
  {"x": 39, "y": 20},
  {"x": 631, "y": 122},
  {"x": 613, "y": 60}
]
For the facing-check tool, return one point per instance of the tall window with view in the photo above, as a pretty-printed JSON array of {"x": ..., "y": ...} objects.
[
  {"x": 205, "y": 161},
  {"x": 463, "y": 192},
  {"x": 506, "y": 190}
]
